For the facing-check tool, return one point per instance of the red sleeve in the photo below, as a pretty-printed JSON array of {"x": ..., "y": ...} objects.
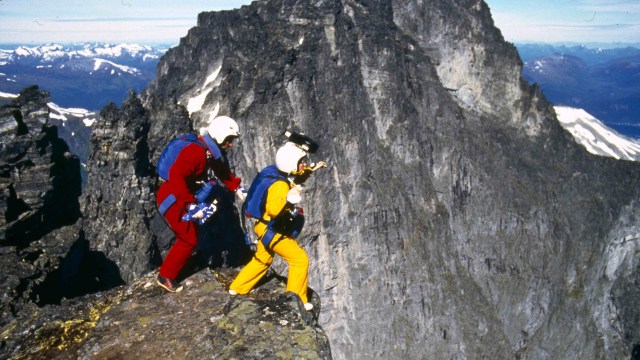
[
  {"x": 189, "y": 166},
  {"x": 221, "y": 170},
  {"x": 232, "y": 183}
]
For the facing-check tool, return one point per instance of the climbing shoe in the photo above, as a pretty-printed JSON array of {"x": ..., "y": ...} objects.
[
  {"x": 233, "y": 292},
  {"x": 168, "y": 284}
]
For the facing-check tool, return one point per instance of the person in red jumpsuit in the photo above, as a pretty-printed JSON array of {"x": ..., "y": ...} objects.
[{"x": 187, "y": 174}]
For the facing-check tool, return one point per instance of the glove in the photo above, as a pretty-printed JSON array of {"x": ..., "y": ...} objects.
[
  {"x": 294, "y": 196},
  {"x": 241, "y": 194},
  {"x": 199, "y": 213}
]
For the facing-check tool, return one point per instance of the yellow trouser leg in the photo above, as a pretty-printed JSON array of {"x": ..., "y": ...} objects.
[
  {"x": 253, "y": 272},
  {"x": 298, "y": 262}
]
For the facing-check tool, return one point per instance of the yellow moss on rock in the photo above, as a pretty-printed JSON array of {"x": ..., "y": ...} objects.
[{"x": 63, "y": 334}]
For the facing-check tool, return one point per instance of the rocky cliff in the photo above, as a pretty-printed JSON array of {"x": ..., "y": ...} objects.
[
  {"x": 142, "y": 321},
  {"x": 64, "y": 257},
  {"x": 457, "y": 218}
]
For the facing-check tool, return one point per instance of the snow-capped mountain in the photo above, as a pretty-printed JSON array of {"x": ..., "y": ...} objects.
[
  {"x": 63, "y": 114},
  {"x": 603, "y": 82},
  {"x": 54, "y": 52},
  {"x": 596, "y": 137},
  {"x": 80, "y": 76}
]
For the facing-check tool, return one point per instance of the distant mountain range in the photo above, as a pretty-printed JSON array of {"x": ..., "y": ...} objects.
[
  {"x": 603, "y": 82},
  {"x": 83, "y": 75}
]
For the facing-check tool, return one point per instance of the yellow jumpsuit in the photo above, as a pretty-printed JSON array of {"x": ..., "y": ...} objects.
[{"x": 282, "y": 245}]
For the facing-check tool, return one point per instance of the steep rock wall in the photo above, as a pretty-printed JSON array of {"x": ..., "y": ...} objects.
[{"x": 457, "y": 218}]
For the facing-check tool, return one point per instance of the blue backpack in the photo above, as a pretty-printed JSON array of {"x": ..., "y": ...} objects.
[
  {"x": 289, "y": 222},
  {"x": 175, "y": 147},
  {"x": 257, "y": 194}
]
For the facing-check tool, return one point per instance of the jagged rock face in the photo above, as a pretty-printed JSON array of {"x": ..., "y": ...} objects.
[
  {"x": 37, "y": 171},
  {"x": 40, "y": 183},
  {"x": 472, "y": 60},
  {"x": 118, "y": 203},
  {"x": 457, "y": 219}
]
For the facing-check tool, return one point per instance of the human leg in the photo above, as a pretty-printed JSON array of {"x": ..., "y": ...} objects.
[
  {"x": 253, "y": 271},
  {"x": 186, "y": 240},
  {"x": 298, "y": 262}
]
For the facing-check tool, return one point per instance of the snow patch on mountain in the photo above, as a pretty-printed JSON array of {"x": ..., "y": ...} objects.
[
  {"x": 60, "y": 113},
  {"x": 7, "y": 95},
  {"x": 196, "y": 102},
  {"x": 596, "y": 137},
  {"x": 128, "y": 69}
]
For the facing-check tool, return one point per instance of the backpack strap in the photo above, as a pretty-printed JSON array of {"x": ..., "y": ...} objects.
[{"x": 212, "y": 146}]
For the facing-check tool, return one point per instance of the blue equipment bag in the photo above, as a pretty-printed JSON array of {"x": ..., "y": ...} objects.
[{"x": 175, "y": 146}]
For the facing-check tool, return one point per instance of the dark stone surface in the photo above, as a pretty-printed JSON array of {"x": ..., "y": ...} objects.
[
  {"x": 143, "y": 321},
  {"x": 456, "y": 219}
]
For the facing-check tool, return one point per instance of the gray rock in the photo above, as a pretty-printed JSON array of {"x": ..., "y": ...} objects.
[
  {"x": 457, "y": 219},
  {"x": 143, "y": 321}
]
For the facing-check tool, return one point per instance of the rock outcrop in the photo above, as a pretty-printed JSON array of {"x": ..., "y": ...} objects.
[
  {"x": 49, "y": 267},
  {"x": 457, "y": 218},
  {"x": 142, "y": 321},
  {"x": 40, "y": 183}
]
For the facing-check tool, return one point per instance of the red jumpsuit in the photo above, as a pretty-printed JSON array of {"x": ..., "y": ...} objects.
[{"x": 190, "y": 166}]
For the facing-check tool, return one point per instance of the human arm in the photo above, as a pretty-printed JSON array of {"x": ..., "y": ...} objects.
[
  {"x": 304, "y": 175},
  {"x": 188, "y": 167},
  {"x": 223, "y": 173},
  {"x": 276, "y": 199}
]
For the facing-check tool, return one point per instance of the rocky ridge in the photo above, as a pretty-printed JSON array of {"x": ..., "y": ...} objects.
[
  {"x": 454, "y": 204},
  {"x": 142, "y": 321},
  {"x": 63, "y": 298}
]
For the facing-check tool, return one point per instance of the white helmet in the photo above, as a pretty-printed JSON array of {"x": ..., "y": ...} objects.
[
  {"x": 288, "y": 156},
  {"x": 222, "y": 127}
]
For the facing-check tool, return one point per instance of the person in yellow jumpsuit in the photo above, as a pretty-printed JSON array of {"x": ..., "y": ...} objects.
[{"x": 290, "y": 161}]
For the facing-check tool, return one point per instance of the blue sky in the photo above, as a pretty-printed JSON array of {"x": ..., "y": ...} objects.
[
  {"x": 66, "y": 21},
  {"x": 581, "y": 21},
  {"x": 162, "y": 21}
]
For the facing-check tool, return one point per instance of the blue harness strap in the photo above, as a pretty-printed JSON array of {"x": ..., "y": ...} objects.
[
  {"x": 212, "y": 146},
  {"x": 166, "y": 204},
  {"x": 268, "y": 235}
]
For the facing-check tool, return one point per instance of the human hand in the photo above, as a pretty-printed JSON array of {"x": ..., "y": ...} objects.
[
  {"x": 294, "y": 196},
  {"x": 241, "y": 194},
  {"x": 319, "y": 165}
]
